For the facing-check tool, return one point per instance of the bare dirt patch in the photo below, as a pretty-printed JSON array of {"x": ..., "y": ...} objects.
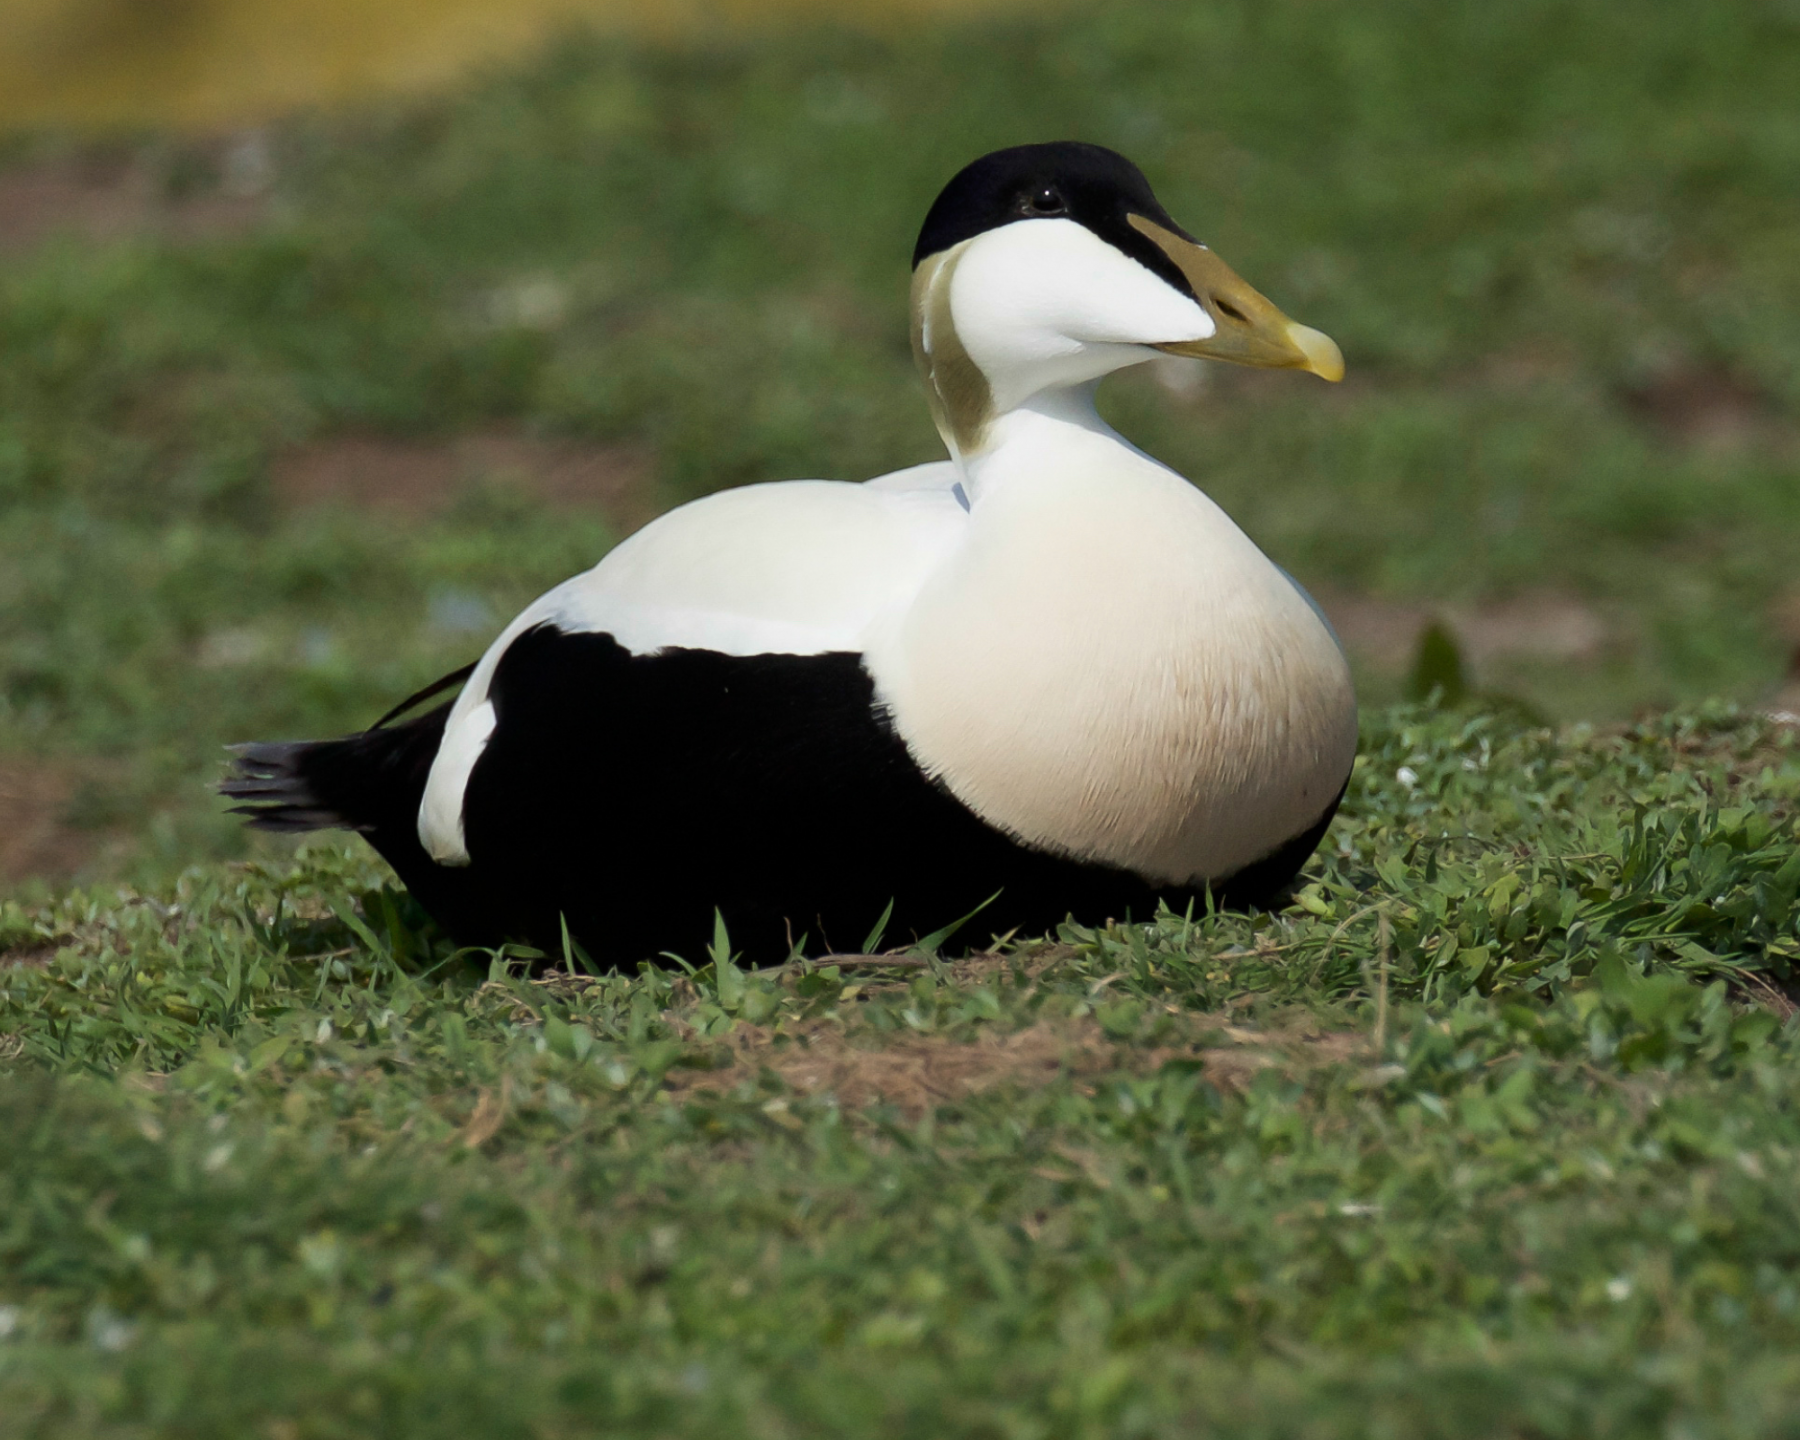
[
  {"x": 422, "y": 477},
  {"x": 915, "y": 1072},
  {"x": 35, "y": 836},
  {"x": 111, "y": 197},
  {"x": 1710, "y": 408},
  {"x": 1539, "y": 625},
  {"x": 1786, "y": 615}
]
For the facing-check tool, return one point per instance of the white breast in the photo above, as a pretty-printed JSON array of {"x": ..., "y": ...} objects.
[{"x": 1109, "y": 668}]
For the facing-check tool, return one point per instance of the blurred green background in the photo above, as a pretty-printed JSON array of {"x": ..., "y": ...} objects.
[{"x": 299, "y": 401}]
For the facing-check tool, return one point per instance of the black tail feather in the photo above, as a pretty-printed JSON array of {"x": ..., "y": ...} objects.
[
  {"x": 271, "y": 780},
  {"x": 370, "y": 782}
]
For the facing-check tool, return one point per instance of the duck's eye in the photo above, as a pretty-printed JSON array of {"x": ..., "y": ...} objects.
[{"x": 1045, "y": 200}]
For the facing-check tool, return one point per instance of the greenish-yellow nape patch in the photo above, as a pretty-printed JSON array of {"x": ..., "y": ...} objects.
[{"x": 962, "y": 404}]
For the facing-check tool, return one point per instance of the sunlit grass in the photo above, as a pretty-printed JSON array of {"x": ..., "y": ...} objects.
[{"x": 1493, "y": 1133}]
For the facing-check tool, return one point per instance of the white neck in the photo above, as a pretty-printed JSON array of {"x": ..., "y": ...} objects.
[{"x": 1037, "y": 420}]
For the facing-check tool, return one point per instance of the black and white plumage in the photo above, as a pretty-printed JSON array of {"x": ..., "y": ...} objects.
[{"x": 1048, "y": 667}]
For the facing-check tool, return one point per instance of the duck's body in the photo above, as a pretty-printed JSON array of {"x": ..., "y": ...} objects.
[{"x": 1049, "y": 667}]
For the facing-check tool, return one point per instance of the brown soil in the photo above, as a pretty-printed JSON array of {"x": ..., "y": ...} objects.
[
  {"x": 1540, "y": 625},
  {"x": 35, "y": 838},
  {"x": 915, "y": 1072},
  {"x": 1705, "y": 407},
  {"x": 110, "y": 198},
  {"x": 1786, "y": 615},
  {"x": 418, "y": 477}
]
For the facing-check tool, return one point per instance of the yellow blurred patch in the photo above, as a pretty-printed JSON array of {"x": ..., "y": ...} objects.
[{"x": 206, "y": 64}]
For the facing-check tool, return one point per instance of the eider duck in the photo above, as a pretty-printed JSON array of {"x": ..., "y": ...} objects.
[{"x": 1047, "y": 677}]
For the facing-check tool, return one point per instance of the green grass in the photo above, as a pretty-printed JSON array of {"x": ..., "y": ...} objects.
[
  {"x": 1491, "y": 1133},
  {"x": 1516, "y": 219},
  {"x": 1483, "y": 1137}
]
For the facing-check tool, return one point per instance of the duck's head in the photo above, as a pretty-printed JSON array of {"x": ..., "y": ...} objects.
[{"x": 1047, "y": 266}]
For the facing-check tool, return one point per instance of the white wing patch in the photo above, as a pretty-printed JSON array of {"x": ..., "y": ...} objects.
[
  {"x": 801, "y": 567},
  {"x": 440, "y": 812},
  {"x": 798, "y": 568}
]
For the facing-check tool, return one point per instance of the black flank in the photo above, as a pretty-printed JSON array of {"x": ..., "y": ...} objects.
[{"x": 634, "y": 794}]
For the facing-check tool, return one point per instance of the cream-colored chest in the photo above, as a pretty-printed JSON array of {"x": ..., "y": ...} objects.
[{"x": 1108, "y": 667}]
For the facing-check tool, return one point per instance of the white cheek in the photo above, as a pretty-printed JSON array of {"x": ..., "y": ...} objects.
[{"x": 1040, "y": 292}]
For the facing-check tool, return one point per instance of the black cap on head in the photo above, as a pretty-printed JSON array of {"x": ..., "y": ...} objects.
[{"x": 1065, "y": 179}]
